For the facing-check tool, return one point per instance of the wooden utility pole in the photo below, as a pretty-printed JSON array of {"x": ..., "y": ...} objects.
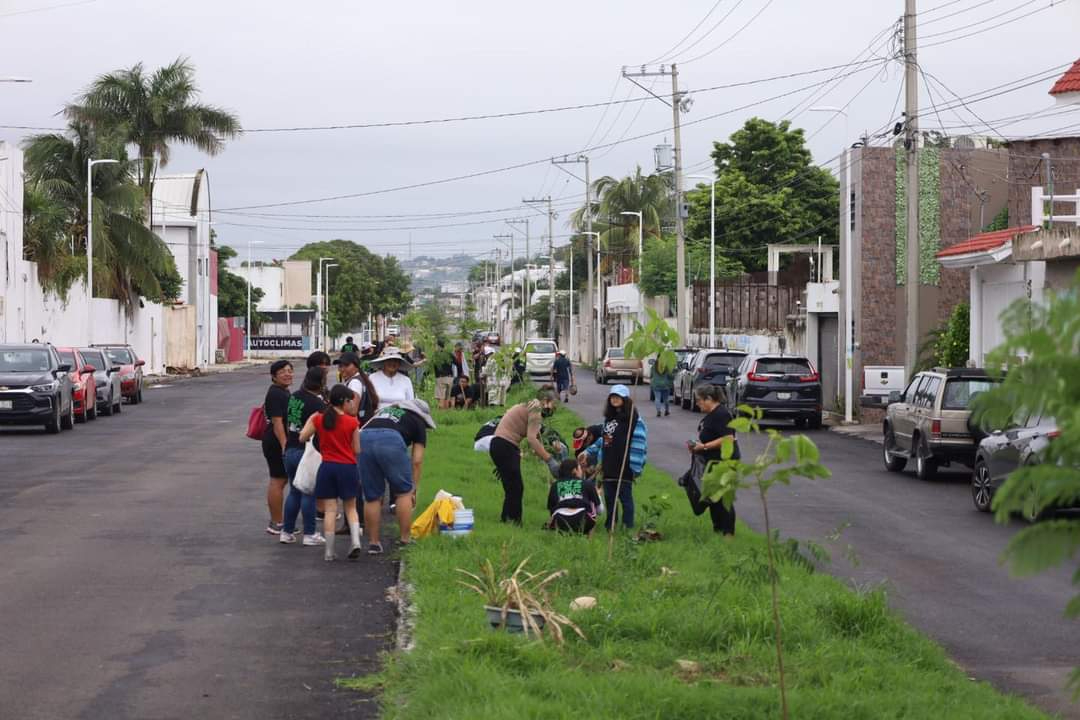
[{"x": 911, "y": 156}]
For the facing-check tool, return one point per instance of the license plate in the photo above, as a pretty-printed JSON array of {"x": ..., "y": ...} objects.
[
  {"x": 783, "y": 396},
  {"x": 6, "y": 404}
]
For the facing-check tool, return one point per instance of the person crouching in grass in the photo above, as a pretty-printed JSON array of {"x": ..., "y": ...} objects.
[
  {"x": 572, "y": 501},
  {"x": 339, "y": 442}
]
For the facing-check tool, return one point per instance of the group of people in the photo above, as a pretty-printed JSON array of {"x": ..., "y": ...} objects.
[
  {"x": 468, "y": 378},
  {"x": 609, "y": 458},
  {"x": 370, "y": 430}
]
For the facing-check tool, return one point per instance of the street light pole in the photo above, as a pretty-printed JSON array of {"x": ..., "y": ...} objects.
[
  {"x": 525, "y": 281},
  {"x": 712, "y": 256},
  {"x": 318, "y": 304},
  {"x": 599, "y": 285},
  {"x": 90, "y": 163},
  {"x": 326, "y": 302}
]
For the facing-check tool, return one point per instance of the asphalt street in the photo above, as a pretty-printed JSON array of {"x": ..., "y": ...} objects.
[
  {"x": 937, "y": 557},
  {"x": 137, "y": 581}
]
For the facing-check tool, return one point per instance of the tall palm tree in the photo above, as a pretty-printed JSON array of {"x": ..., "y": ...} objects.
[
  {"x": 648, "y": 194},
  {"x": 152, "y": 111},
  {"x": 129, "y": 259}
]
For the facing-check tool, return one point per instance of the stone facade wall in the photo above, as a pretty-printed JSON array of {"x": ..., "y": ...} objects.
[
  {"x": 875, "y": 310},
  {"x": 1026, "y": 171}
]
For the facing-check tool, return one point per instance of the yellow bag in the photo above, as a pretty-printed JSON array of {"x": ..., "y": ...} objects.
[{"x": 441, "y": 510}]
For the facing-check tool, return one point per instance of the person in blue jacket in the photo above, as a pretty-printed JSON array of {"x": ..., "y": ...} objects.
[{"x": 620, "y": 452}]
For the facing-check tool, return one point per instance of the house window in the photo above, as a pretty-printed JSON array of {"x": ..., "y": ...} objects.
[{"x": 851, "y": 210}]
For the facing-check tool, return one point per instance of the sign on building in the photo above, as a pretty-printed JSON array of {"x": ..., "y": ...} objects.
[{"x": 277, "y": 342}]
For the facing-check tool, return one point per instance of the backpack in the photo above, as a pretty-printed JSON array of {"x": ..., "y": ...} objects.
[{"x": 487, "y": 429}]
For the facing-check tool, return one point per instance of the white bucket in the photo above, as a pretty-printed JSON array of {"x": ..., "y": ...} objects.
[{"x": 463, "y": 519}]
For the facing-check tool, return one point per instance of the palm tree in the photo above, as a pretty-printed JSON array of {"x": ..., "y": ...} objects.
[
  {"x": 129, "y": 259},
  {"x": 152, "y": 111},
  {"x": 648, "y": 194}
]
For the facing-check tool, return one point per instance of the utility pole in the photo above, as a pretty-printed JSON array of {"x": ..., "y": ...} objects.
[
  {"x": 911, "y": 146},
  {"x": 502, "y": 326},
  {"x": 588, "y": 252},
  {"x": 525, "y": 279},
  {"x": 551, "y": 259},
  {"x": 679, "y": 104}
]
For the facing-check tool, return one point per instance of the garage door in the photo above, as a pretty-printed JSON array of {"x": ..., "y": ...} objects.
[{"x": 996, "y": 297}]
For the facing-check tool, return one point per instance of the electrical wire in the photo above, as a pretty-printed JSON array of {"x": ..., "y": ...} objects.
[
  {"x": 1048, "y": 6},
  {"x": 734, "y": 35},
  {"x": 711, "y": 30},
  {"x": 664, "y": 55},
  {"x": 977, "y": 22}
]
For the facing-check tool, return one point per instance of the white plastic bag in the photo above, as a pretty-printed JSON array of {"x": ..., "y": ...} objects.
[{"x": 307, "y": 470}]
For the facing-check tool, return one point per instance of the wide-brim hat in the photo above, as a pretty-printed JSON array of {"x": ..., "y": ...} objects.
[
  {"x": 392, "y": 353},
  {"x": 421, "y": 408}
]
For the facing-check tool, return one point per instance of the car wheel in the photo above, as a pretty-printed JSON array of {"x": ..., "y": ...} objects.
[
  {"x": 815, "y": 422},
  {"x": 82, "y": 416},
  {"x": 893, "y": 463},
  {"x": 685, "y": 403},
  {"x": 107, "y": 409},
  {"x": 91, "y": 413},
  {"x": 54, "y": 425},
  {"x": 982, "y": 489},
  {"x": 925, "y": 466},
  {"x": 800, "y": 422},
  {"x": 138, "y": 395},
  {"x": 67, "y": 421}
]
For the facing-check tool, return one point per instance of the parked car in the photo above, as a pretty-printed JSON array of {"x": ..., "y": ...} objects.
[
  {"x": 131, "y": 370},
  {"x": 930, "y": 421},
  {"x": 650, "y": 362},
  {"x": 1003, "y": 451},
  {"x": 107, "y": 378},
  {"x": 35, "y": 387},
  {"x": 540, "y": 356},
  {"x": 708, "y": 366},
  {"x": 782, "y": 386},
  {"x": 615, "y": 366},
  {"x": 84, "y": 389}
]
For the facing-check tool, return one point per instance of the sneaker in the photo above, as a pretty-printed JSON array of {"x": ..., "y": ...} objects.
[
  {"x": 374, "y": 548},
  {"x": 354, "y": 552},
  {"x": 329, "y": 558},
  {"x": 286, "y": 538},
  {"x": 273, "y": 528},
  {"x": 405, "y": 543},
  {"x": 666, "y": 413},
  {"x": 657, "y": 413},
  {"x": 312, "y": 540}
]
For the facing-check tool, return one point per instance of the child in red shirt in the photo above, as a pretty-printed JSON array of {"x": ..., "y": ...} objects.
[{"x": 339, "y": 442}]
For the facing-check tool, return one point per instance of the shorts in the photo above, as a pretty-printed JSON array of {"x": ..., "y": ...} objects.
[
  {"x": 384, "y": 459},
  {"x": 337, "y": 480},
  {"x": 562, "y": 384},
  {"x": 275, "y": 459},
  {"x": 442, "y": 387}
]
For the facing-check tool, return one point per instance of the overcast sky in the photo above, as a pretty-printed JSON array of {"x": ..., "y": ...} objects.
[{"x": 283, "y": 64}]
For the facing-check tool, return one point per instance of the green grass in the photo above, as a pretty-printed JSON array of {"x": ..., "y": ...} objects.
[{"x": 847, "y": 654}]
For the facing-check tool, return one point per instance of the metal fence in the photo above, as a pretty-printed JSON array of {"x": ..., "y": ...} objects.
[{"x": 745, "y": 306}]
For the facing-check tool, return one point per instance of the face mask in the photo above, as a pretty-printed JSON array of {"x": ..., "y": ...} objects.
[{"x": 547, "y": 412}]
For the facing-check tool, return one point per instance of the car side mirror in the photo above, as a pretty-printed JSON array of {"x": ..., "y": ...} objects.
[
  {"x": 63, "y": 368},
  {"x": 140, "y": 363},
  {"x": 89, "y": 370},
  {"x": 895, "y": 397},
  {"x": 114, "y": 369}
]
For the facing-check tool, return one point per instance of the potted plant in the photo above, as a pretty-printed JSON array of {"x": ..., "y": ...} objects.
[{"x": 518, "y": 602}]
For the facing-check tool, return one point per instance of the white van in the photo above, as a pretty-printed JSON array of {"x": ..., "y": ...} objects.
[{"x": 540, "y": 356}]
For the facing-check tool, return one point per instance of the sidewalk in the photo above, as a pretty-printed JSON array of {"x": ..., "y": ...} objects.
[
  {"x": 871, "y": 432},
  {"x": 217, "y": 369}
]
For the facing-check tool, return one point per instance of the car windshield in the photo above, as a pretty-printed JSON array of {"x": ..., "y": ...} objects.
[
  {"x": 67, "y": 356},
  {"x": 615, "y": 353},
  {"x": 960, "y": 392},
  {"x": 782, "y": 366},
  {"x": 723, "y": 360},
  {"x": 94, "y": 358},
  {"x": 541, "y": 348},
  {"x": 120, "y": 356},
  {"x": 32, "y": 360}
]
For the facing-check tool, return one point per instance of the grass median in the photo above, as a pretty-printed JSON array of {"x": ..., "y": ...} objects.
[{"x": 683, "y": 627}]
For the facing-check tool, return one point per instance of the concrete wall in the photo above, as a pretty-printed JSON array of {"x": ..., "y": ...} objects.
[{"x": 180, "y": 330}]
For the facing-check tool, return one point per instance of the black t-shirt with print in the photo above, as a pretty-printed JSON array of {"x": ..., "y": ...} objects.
[
  {"x": 275, "y": 405},
  {"x": 573, "y": 493},
  {"x": 616, "y": 436},
  {"x": 302, "y": 405},
  {"x": 412, "y": 427},
  {"x": 712, "y": 426}
]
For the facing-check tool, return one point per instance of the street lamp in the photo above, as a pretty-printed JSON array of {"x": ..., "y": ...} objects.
[
  {"x": 849, "y": 284},
  {"x": 247, "y": 327},
  {"x": 319, "y": 302},
  {"x": 599, "y": 308},
  {"x": 640, "y": 242},
  {"x": 90, "y": 163},
  {"x": 326, "y": 300},
  {"x": 712, "y": 256},
  {"x": 525, "y": 284}
]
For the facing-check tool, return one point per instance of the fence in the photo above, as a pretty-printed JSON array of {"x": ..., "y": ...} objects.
[{"x": 745, "y": 306}]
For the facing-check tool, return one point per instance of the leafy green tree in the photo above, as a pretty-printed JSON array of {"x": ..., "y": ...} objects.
[
  {"x": 232, "y": 289},
  {"x": 129, "y": 259},
  {"x": 660, "y": 268},
  {"x": 1042, "y": 353},
  {"x": 151, "y": 111},
  {"x": 767, "y": 190}
]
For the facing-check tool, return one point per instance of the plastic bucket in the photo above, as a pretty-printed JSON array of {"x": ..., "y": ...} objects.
[{"x": 463, "y": 519}]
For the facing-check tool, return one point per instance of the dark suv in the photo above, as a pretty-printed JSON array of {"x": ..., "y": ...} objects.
[
  {"x": 708, "y": 367},
  {"x": 35, "y": 387},
  {"x": 781, "y": 386}
]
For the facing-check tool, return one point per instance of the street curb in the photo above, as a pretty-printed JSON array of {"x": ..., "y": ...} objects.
[
  {"x": 401, "y": 595},
  {"x": 870, "y": 433}
]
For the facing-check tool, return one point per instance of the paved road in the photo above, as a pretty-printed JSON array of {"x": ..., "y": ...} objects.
[
  {"x": 937, "y": 554},
  {"x": 136, "y": 579}
]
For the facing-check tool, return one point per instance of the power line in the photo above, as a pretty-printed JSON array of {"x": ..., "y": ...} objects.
[
  {"x": 664, "y": 55},
  {"x": 978, "y": 22},
  {"x": 733, "y": 35},
  {"x": 992, "y": 27},
  {"x": 711, "y": 30}
]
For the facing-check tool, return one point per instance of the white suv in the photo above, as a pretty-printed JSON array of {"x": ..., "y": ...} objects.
[{"x": 540, "y": 356}]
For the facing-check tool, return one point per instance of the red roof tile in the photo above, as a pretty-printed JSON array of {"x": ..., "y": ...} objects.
[
  {"x": 1069, "y": 82},
  {"x": 986, "y": 241}
]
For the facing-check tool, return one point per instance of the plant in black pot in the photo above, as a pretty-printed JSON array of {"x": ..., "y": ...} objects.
[{"x": 518, "y": 602}]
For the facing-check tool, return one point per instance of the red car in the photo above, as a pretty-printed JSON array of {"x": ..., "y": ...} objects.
[
  {"x": 84, "y": 389},
  {"x": 131, "y": 370}
]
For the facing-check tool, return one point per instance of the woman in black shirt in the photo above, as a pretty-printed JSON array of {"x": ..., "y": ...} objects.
[
  {"x": 713, "y": 431},
  {"x": 276, "y": 407},
  {"x": 304, "y": 403}
]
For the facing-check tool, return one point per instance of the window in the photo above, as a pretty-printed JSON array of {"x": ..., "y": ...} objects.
[
  {"x": 94, "y": 358},
  {"x": 120, "y": 356},
  {"x": 960, "y": 392},
  {"x": 930, "y": 392},
  {"x": 24, "y": 360},
  {"x": 615, "y": 353},
  {"x": 541, "y": 348},
  {"x": 723, "y": 360},
  {"x": 67, "y": 357},
  {"x": 783, "y": 366},
  {"x": 911, "y": 395}
]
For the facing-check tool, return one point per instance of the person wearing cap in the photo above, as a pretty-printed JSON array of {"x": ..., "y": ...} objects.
[
  {"x": 349, "y": 345},
  {"x": 562, "y": 374},
  {"x": 359, "y": 382},
  {"x": 390, "y": 385},
  {"x": 620, "y": 453},
  {"x": 392, "y": 453},
  {"x": 367, "y": 350}
]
